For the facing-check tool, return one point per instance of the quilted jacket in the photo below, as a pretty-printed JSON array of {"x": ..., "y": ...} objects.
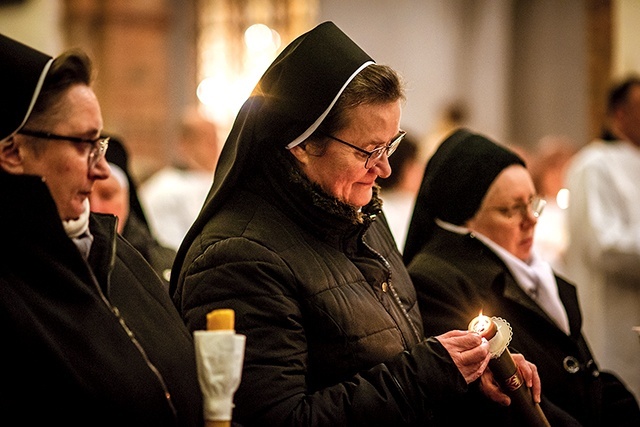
[{"x": 334, "y": 335}]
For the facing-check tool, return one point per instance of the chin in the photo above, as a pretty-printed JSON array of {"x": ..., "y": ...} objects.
[
  {"x": 361, "y": 200},
  {"x": 73, "y": 214},
  {"x": 524, "y": 256}
]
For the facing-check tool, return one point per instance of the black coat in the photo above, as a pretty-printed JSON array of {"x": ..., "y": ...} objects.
[
  {"x": 334, "y": 335},
  {"x": 81, "y": 348},
  {"x": 159, "y": 257},
  {"x": 456, "y": 276}
]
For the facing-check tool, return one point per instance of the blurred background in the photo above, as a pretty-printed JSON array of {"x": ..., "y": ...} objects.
[{"x": 516, "y": 70}]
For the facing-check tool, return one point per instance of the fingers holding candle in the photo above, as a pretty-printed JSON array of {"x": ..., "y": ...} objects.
[
  {"x": 491, "y": 389},
  {"x": 529, "y": 372},
  {"x": 469, "y": 352}
]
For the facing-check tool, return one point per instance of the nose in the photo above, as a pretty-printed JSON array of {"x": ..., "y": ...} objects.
[
  {"x": 382, "y": 166},
  {"x": 529, "y": 218},
  {"x": 101, "y": 170}
]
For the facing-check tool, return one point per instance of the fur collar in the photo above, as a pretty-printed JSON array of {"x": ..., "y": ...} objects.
[{"x": 307, "y": 203}]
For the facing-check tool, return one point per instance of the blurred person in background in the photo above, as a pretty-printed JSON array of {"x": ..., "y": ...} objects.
[
  {"x": 603, "y": 254},
  {"x": 117, "y": 195},
  {"x": 173, "y": 196},
  {"x": 90, "y": 336},
  {"x": 453, "y": 115},
  {"x": 469, "y": 250},
  {"x": 399, "y": 189},
  {"x": 548, "y": 164}
]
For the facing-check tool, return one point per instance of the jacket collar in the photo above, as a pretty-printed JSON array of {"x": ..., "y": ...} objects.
[
  {"x": 484, "y": 263},
  {"x": 103, "y": 251},
  {"x": 309, "y": 205},
  {"x": 28, "y": 209},
  {"x": 31, "y": 219}
]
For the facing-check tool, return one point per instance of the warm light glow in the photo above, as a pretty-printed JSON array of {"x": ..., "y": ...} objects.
[
  {"x": 223, "y": 97},
  {"x": 228, "y": 84},
  {"x": 480, "y": 324},
  {"x": 562, "y": 198},
  {"x": 260, "y": 38}
]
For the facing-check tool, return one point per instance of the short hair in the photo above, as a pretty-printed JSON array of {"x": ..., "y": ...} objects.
[
  {"x": 375, "y": 84},
  {"x": 619, "y": 93},
  {"x": 70, "y": 68}
]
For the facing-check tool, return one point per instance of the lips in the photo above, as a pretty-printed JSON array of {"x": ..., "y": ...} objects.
[
  {"x": 370, "y": 183},
  {"x": 527, "y": 242}
]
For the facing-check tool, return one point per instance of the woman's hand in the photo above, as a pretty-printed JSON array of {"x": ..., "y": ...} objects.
[
  {"x": 529, "y": 373},
  {"x": 469, "y": 352}
]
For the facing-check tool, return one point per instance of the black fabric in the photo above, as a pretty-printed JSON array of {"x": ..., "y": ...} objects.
[
  {"x": 455, "y": 181},
  {"x": 296, "y": 89},
  {"x": 320, "y": 291},
  {"x": 21, "y": 68},
  {"x": 456, "y": 276},
  {"x": 67, "y": 355},
  {"x": 159, "y": 257}
]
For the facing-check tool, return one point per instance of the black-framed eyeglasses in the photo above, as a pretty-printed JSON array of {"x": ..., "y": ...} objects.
[
  {"x": 534, "y": 206},
  {"x": 376, "y": 153},
  {"x": 98, "y": 145}
]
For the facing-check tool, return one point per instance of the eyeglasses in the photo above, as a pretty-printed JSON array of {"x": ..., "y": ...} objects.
[
  {"x": 98, "y": 148},
  {"x": 375, "y": 154},
  {"x": 534, "y": 206}
]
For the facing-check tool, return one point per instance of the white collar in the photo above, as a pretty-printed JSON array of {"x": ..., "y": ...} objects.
[{"x": 528, "y": 275}]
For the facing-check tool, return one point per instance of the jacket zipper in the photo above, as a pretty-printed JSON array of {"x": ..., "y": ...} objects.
[
  {"x": 398, "y": 303},
  {"x": 130, "y": 333},
  {"x": 394, "y": 293}
]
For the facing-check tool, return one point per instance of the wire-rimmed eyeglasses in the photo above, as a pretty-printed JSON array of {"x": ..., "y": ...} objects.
[
  {"x": 376, "y": 153},
  {"x": 534, "y": 206},
  {"x": 98, "y": 146}
]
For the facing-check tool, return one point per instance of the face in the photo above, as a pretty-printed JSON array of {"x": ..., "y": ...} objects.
[
  {"x": 64, "y": 164},
  {"x": 629, "y": 116},
  {"x": 109, "y": 196},
  {"x": 508, "y": 196},
  {"x": 340, "y": 170},
  {"x": 200, "y": 145}
]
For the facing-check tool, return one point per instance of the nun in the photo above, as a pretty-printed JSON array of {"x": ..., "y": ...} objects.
[
  {"x": 292, "y": 238},
  {"x": 90, "y": 336},
  {"x": 469, "y": 250}
]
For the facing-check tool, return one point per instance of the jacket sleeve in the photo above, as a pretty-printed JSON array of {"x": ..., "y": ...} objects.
[
  {"x": 447, "y": 300},
  {"x": 273, "y": 389}
]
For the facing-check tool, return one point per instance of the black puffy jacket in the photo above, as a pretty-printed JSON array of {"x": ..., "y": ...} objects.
[{"x": 334, "y": 335}]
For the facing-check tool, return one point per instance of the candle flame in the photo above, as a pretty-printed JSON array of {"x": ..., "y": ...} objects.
[{"x": 480, "y": 324}]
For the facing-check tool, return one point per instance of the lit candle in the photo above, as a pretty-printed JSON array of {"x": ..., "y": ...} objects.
[
  {"x": 497, "y": 332},
  {"x": 483, "y": 326}
]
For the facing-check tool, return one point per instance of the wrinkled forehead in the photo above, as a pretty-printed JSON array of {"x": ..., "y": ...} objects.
[
  {"x": 74, "y": 109},
  {"x": 512, "y": 184}
]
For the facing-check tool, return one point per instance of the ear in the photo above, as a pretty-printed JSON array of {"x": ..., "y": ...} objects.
[
  {"x": 11, "y": 156},
  {"x": 300, "y": 153}
]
